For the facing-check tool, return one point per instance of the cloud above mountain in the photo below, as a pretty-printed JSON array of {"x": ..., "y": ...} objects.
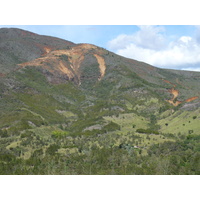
[{"x": 151, "y": 44}]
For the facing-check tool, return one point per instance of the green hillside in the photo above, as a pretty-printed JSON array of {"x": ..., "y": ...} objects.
[{"x": 70, "y": 108}]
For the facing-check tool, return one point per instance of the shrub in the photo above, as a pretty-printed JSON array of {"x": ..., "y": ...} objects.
[
  {"x": 147, "y": 131},
  {"x": 59, "y": 134},
  {"x": 37, "y": 153},
  {"x": 111, "y": 127},
  {"x": 24, "y": 135},
  {"x": 52, "y": 149},
  {"x": 3, "y": 133},
  {"x": 190, "y": 131}
]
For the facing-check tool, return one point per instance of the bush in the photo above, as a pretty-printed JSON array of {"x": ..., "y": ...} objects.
[
  {"x": 147, "y": 131},
  {"x": 52, "y": 149},
  {"x": 111, "y": 127},
  {"x": 190, "y": 131},
  {"x": 59, "y": 134},
  {"x": 37, "y": 153},
  {"x": 3, "y": 133},
  {"x": 24, "y": 135}
]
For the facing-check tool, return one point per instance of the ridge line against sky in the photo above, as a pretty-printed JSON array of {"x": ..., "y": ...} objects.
[{"x": 173, "y": 47}]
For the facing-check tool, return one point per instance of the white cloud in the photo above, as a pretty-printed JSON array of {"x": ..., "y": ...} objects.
[
  {"x": 147, "y": 37},
  {"x": 192, "y": 69},
  {"x": 150, "y": 45}
]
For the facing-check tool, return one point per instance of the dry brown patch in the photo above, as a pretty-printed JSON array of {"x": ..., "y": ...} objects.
[
  {"x": 191, "y": 99},
  {"x": 75, "y": 56},
  {"x": 85, "y": 46},
  {"x": 65, "y": 70},
  {"x": 46, "y": 51},
  {"x": 174, "y": 92},
  {"x": 176, "y": 103},
  {"x": 102, "y": 66},
  {"x": 36, "y": 62},
  {"x": 71, "y": 69},
  {"x": 166, "y": 81}
]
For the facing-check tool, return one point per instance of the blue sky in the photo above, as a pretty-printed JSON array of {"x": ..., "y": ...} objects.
[
  {"x": 167, "y": 46},
  {"x": 95, "y": 34}
]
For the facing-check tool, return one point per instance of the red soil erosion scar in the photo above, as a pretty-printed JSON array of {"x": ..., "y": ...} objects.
[{"x": 175, "y": 94}]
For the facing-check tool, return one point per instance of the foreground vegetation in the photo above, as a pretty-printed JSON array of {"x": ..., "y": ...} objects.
[{"x": 108, "y": 153}]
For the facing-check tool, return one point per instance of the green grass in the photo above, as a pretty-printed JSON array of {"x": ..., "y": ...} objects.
[
  {"x": 44, "y": 105},
  {"x": 181, "y": 122},
  {"x": 130, "y": 122},
  {"x": 126, "y": 121}
]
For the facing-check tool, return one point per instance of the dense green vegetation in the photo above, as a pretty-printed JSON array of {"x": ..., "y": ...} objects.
[{"x": 102, "y": 154}]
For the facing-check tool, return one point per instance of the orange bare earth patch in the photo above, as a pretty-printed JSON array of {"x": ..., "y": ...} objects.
[
  {"x": 174, "y": 103},
  {"x": 52, "y": 61},
  {"x": 191, "y": 99},
  {"x": 46, "y": 51},
  {"x": 102, "y": 65},
  {"x": 65, "y": 70},
  {"x": 175, "y": 94},
  {"x": 166, "y": 81}
]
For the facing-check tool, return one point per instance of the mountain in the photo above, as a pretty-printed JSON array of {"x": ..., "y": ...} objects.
[
  {"x": 50, "y": 88},
  {"x": 17, "y": 46}
]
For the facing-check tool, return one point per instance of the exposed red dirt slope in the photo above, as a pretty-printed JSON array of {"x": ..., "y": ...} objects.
[
  {"x": 191, "y": 99},
  {"x": 68, "y": 61},
  {"x": 175, "y": 94},
  {"x": 166, "y": 81}
]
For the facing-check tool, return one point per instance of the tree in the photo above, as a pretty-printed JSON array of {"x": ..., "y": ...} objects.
[
  {"x": 52, "y": 149},
  {"x": 3, "y": 133}
]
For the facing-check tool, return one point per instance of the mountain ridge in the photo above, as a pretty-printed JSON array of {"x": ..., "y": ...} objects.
[
  {"x": 96, "y": 73},
  {"x": 60, "y": 63},
  {"x": 17, "y": 46}
]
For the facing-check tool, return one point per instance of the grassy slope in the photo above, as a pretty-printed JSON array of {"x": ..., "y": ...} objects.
[
  {"x": 121, "y": 91},
  {"x": 183, "y": 122}
]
